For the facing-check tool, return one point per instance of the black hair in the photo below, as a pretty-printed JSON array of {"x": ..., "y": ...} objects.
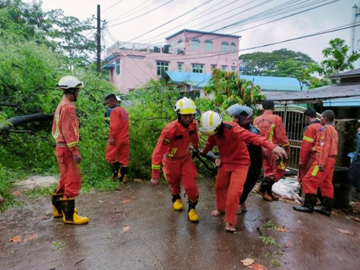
[
  {"x": 268, "y": 104},
  {"x": 310, "y": 112},
  {"x": 111, "y": 97},
  {"x": 329, "y": 114}
]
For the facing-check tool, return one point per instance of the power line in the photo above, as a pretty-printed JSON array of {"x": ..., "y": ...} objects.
[
  {"x": 126, "y": 14},
  {"x": 141, "y": 14},
  {"x": 331, "y": 30},
  {"x": 187, "y": 12},
  {"x": 196, "y": 18},
  {"x": 111, "y": 6}
]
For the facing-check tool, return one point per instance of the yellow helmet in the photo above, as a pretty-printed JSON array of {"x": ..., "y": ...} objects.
[
  {"x": 209, "y": 123},
  {"x": 185, "y": 106}
]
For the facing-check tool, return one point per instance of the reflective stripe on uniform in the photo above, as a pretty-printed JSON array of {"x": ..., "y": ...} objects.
[
  {"x": 282, "y": 165},
  {"x": 173, "y": 151},
  {"x": 155, "y": 167},
  {"x": 315, "y": 171},
  {"x": 308, "y": 139},
  {"x": 72, "y": 144},
  {"x": 271, "y": 133},
  {"x": 57, "y": 132}
]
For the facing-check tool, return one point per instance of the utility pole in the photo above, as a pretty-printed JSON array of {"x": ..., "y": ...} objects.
[{"x": 98, "y": 39}]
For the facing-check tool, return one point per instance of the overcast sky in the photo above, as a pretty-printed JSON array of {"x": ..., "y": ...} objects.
[{"x": 126, "y": 22}]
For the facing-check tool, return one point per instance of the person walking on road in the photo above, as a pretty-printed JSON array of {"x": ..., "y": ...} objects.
[
  {"x": 321, "y": 172},
  {"x": 173, "y": 150},
  {"x": 118, "y": 146},
  {"x": 243, "y": 115},
  {"x": 233, "y": 163},
  {"x": 65, "y": 131},
  {"x": 272, "y": 128}
]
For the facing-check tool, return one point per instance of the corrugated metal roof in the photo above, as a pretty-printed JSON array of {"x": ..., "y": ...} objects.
[
  {"x": 351, "y": 73},
  {"x": 342, "y": 102},
  {"x": 265, "y": 82},
  {"x": 316, "y": 95}
]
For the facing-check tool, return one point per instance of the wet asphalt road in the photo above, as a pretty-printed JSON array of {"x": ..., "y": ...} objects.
[{"x": 136, "y": 228}]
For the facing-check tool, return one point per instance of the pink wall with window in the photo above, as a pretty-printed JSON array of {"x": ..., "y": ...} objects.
[{"x": 189, "y": 51}]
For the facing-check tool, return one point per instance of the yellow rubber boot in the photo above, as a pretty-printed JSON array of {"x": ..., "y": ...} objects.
[
  {"x": 193, "y": 216},
  {"x": 70, "y": 215},
  {"x": 56, "y": 204},
  {"x": 178, "y": 206}
]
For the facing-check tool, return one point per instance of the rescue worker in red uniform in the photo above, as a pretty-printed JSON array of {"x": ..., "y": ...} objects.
[
  {"x": 307, "y": 150},
  {"x": 321, "y": 172},
  {"x": 233, "y": 163},
  {"x": 243, "y": 115},
  {"x": 65, "y": 131},
  {"x": 172, "y": 149},
  {"x": 272, "y": 128},
  {"x": 118, "y": 147}
]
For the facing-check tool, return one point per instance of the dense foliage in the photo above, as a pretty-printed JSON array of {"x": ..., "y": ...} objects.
[{"x": 227, "y": 88}]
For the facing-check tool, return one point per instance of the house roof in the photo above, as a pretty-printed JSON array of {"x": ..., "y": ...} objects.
[
  {"x": 348, "y": 74},
  {"x": 202, "y": 33},
  {"x": 200, "y": 80},
  {"x": 317, "y": 95}
]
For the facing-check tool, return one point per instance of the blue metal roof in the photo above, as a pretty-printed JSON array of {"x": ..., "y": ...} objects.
[
  {"x": 266, "y": 83},
  {"x": 108, "y": 66},
  {"x": 342, "y": 102}
]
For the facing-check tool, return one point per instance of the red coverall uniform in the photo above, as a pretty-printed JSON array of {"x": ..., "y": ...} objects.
[
  {"x": 119, "y": 131},
  {"x": 272, "y": 128},
  {"x": 307, "y": 150},
  {"x": 172, "y": 149},
  {"x": 327, "y": 150},
  {"x": 65, "y": 131},
  {"x": 235, "y": 162}
]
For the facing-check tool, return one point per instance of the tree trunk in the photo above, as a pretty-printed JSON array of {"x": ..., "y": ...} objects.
[{"x": 19, "y": 120}]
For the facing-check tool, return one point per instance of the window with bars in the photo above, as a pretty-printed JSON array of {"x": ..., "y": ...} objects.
[
  {"x": 197, "y": 68},
  {"x": 180, "y": 67},
  {"x": 233, "y": 68},
  {"x": 161, "y": 68},
  {"x": 117, "y": 67},
  {"x": 223, "y": 68}
]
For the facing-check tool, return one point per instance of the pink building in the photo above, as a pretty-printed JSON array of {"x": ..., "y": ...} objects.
[{"x": 132, "y": 65}]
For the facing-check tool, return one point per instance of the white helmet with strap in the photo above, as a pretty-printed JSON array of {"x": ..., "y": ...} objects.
[
  {"x": 69, "y": 82},
  {"x": 209, "y": 123},
  {"x": 185, "y": 106}
]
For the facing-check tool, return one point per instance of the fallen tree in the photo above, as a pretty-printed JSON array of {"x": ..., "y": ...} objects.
[{"x": 24, "y": 119}]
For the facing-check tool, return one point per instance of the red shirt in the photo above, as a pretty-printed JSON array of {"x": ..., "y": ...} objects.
[
  {"x": 119, "y": 123},
  {"x": 232, "y": 145},
  {"x": 271, "y": 126},
  {"x": 65, "y": 128},
  {"x": 309, "y": 141},
  {"x": 327, "y": 143},
  {"x": 174, "y": 142}
]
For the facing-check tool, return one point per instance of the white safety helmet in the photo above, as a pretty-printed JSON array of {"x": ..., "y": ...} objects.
[
  {"x": 69, "y": 82},
  {"x": 209, "y": 123},
  {"x": 118, "y": 98},
  {"x": 185, "y": 106}
]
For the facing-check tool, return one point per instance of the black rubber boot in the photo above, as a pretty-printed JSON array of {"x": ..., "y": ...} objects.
[
  {"x": 308, "y": 205},
  {"x": 271, "y": 180},
  {"x": 116, "y": 168},
  {"x": 192, "y": 215},
  {"x": 56, "y": 204},
  {"x": 70, "y": 215},
  {"x": 123, "y": 174},
  {"x": 264, "y": 189},
  {"x": 326, "y": 207}
]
